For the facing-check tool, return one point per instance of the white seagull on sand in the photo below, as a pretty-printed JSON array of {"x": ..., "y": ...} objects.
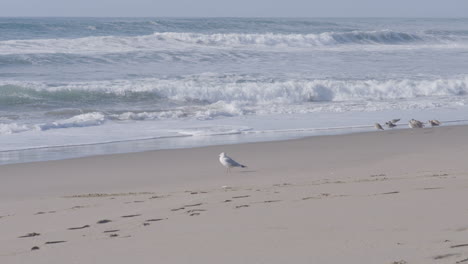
[{"x": 228, "y": 162}]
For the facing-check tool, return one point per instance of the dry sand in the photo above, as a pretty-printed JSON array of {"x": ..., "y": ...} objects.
[{"x": 384, "y": 197}]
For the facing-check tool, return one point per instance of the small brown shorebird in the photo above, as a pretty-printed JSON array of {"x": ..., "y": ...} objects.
[
  {"x": 434, "y": 122},
  {"x": 415, "y": 124}
]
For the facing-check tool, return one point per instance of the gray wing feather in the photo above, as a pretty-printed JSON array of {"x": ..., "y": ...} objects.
[{"x": 233, "y": 163}]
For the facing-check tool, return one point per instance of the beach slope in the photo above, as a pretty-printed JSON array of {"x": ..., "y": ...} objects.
[{"x": 383, "y": 197}]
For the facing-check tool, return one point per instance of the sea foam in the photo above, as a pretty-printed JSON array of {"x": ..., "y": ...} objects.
[{"x": 180, "y": 40}]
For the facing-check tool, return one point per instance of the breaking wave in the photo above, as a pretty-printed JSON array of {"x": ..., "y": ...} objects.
[
  {"x": 212, "y": 88},
  {"x": 177, "y": 40}
]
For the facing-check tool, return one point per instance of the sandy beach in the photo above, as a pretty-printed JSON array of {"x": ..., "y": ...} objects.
[{"x": 380, "y": 197}]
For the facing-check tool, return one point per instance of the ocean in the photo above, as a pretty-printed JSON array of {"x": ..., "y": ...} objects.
[{"x": 72, "y": 87}]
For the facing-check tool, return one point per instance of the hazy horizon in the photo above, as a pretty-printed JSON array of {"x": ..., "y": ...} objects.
[{"x": 241, "y": 8}]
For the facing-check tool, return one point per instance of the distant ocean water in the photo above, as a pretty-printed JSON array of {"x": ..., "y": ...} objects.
[{"x": 84, "y": 86}]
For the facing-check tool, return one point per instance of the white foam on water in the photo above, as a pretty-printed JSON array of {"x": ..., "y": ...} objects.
[{"x": 177, "y": 40}]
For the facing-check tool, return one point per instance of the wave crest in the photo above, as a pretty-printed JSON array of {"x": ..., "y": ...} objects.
[
  {"x": 175, "y": 40},
  {"x": 211, "y": 88}
]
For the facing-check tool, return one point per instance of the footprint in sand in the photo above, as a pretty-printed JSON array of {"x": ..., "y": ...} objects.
[
  {"x": 271, "y": 201},
  {"x": 192, "y": 205},
  {"x": 80, "y": 227},
  {"x": 111, "y": 231},
  {"x": 156, "y": 219},
  {"x": 195, "y": 211},
  {"x": 49, "y": 212},
  {"x": 459, "y": 245},
  {"x": 446, "y": 256},
  {"x": 128, "y": 216},
  {"x": 183, "y": 207},
  {"x": 55, "y": 242},
  {"x": 395, "y": 192},
  {"x": 242, "y": 196},
  {"x": 104, "y": 221},
  {"x": 30, "y": 235}
]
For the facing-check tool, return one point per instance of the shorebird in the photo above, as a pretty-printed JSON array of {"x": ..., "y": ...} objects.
[
  {"x": 228, "y": 162},
  {"x": 394, "y": 121},
  {"x": 434, "y": 122},
  {"x": 378, "y": 126},
  {"x": 415, "y": 124},
  {"x": 390, "y": 124}
]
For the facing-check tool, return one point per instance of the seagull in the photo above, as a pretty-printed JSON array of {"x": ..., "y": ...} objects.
[
  {"x": 434, "y": 122},
  {"x": 378, "y": 126},
  {"x": 394, "y": 121},
  {"x": 390, "y": 124},
  {"x": 415, "y": 124},
  {"x": 228, "y": 162}
]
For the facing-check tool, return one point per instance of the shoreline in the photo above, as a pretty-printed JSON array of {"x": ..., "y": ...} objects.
[
  {"x": 61, "y": 152},
  {"x": 169, "y": 156}
]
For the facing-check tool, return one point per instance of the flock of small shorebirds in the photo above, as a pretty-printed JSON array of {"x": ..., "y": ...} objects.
[
  {"x": 412, "y": 124},
  {"x": 229, "y": 163}
]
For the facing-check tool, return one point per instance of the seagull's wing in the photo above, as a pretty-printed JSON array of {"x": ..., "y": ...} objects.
[{"x": 233, "y": 163}]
